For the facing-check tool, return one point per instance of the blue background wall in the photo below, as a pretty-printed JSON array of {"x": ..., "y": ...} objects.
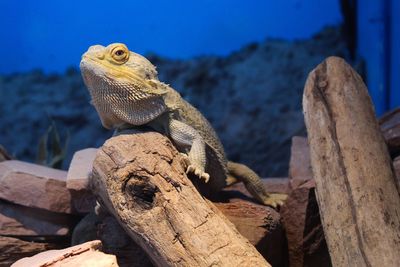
[
  {"x": 379, "y": 44},
  {"x": 52, "y": 34}
]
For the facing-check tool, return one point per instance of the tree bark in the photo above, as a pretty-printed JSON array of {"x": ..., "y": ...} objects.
[
  {"x": 357, "y": 196},
  {"x": 140, "y": 179}
]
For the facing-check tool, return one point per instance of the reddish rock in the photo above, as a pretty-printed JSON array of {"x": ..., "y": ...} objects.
[
  {"x": 276, "y": 185},
  {"x": 80, "y": 169},
  {"x": 304, "y": 232},
  {"x": 35, "y": 186},
  {"x": 87, "y": 254},
  {"x": 83, "y": 201},
  {"x": 16, "y": 220},
  {"x": 390, "y": 127},
  {"x": 78, "y": 180},
  {"x": 13, "y": 249},
  {"x": 260, "y": 225},
  {"x": 296, "y": 183},
  {"x": 300, "y": 163}
]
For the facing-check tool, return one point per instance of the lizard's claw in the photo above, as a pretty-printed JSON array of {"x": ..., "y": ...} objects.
[
  {"x": 198, "y": 172},
  {"x": 275, "y": 200}
]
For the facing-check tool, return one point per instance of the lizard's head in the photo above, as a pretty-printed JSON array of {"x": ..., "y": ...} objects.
[{"x": 123, "y": 85}]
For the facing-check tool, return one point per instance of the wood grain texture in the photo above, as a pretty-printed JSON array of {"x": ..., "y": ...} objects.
[
  {"x": 357, "y": 196},
  {"x": 140, "y": 179}
]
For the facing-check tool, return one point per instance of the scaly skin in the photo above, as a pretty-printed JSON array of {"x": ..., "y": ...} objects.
[{"x": 126, "y": 92}]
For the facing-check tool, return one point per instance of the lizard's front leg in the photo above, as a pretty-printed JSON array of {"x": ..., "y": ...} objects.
[{"x": 186, "y": 136}]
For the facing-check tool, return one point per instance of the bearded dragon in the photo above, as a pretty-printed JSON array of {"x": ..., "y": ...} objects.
[{"x": 126, "y": 92}]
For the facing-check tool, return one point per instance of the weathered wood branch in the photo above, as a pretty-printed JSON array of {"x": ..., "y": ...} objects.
[
  {"x": 357, "y": 196},
  {"x": 144, "y": 186}
]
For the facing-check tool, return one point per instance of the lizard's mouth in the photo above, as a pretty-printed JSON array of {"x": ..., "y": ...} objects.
[
  {"x": 101, "y": 81},
  {"x": 118, "y": 73}
]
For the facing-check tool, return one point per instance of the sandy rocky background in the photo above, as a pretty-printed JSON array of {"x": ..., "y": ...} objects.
[{"x": 252, "y": 98}]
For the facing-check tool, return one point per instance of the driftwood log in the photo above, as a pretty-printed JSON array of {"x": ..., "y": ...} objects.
[
  {"x": 258, "y": 223},
  {"x": 357, "y": 196},
  {"x": 146, "y": 189}
]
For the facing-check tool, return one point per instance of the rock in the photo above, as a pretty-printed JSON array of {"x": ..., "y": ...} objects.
[
  {"x": 300, "y": 163},
  {"x": 276, "y": 185},
  {"x": 34, "y": 186},
  {"x": 390, "y": 127},
  {"x": 41, "y": 187},
  {"x": 78, "y": 180},
  {"x": 304, "y": 232},
  {"x": 83, "y": 201},
  {"x": 90, "y": 258},
  {"x": 87, "y": 254},
  {"x": 13, "y": 249},
  {"x": 80, "y": 169},
  {"x": 16, "y": 220},
  {"x": 260, "y": 225}
]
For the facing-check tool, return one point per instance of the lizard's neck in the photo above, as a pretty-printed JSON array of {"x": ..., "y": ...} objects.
[{"x": 123, "y": 103}]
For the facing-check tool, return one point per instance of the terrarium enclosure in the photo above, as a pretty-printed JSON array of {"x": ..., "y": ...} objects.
[{"x": 201, "y": 133}]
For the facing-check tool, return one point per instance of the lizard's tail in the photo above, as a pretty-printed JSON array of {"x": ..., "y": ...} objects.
[{"x": 240, "y": 172}]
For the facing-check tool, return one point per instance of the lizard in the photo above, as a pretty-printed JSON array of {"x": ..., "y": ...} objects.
[{"x": 126, "y": 92}]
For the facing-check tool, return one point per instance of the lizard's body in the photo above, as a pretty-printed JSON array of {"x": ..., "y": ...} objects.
[{"x": 126, "y": 92}]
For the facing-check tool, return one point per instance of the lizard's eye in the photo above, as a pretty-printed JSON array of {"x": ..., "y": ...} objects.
[{"x": 120, "y": 53}]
